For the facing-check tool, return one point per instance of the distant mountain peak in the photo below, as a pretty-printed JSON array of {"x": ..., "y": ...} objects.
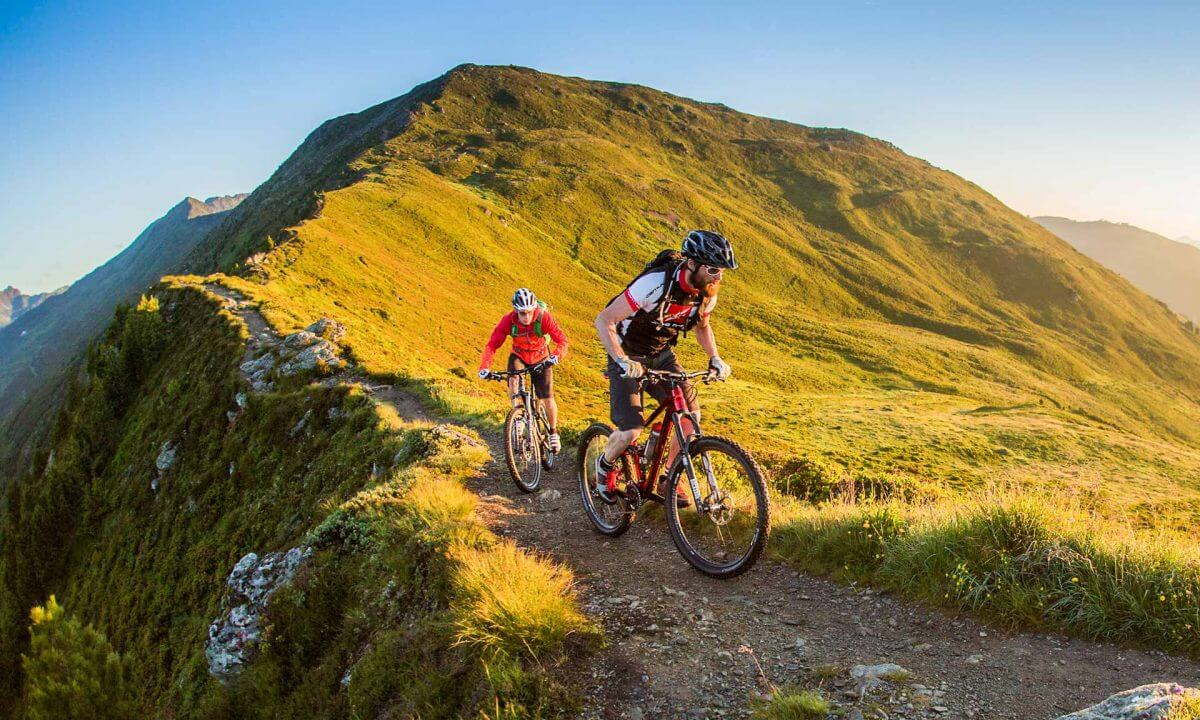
[
  {"x": 218, "y": 203},
  {"x": 14, "y": 303}
]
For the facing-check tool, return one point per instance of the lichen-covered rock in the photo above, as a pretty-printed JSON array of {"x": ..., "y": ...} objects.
[
  {"x": 328, "y": 329},
  {"x": 233, "y": 638},
  {"x": 320, "y": 356},
  {"x": 166, "y": 457},
  {"x": 299, "y": 340},
  {"x": 1148, "y": 702},
  {"x": 263, "y": 363}
]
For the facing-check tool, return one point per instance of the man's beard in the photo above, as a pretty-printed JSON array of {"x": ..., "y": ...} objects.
[{"x": 704, "y": 283}]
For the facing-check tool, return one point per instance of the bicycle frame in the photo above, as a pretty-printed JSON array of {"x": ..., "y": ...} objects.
[
  {"x": 538, "y": 424},
  {"x": 674, "y": 411}
]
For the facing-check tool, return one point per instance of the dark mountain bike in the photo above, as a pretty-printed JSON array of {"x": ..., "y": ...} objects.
[
  {"x": 724, "y": 530},
  {"x": 526, "y": 434}
]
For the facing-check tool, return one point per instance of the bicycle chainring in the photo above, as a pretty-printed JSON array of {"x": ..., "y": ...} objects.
[{"x": 633, "y": 496}]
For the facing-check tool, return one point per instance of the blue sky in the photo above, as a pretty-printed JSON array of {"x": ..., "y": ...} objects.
[{"x": 110, "y": 113}]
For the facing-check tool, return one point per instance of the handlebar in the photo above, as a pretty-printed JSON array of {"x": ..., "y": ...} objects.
[
  {"x": 651, "y": 375},
  {"x": 506, "y": 374},
  {"x": 669, "y": 375}
]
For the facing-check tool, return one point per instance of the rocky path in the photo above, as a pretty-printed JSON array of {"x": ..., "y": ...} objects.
[{"x": 684, "y": 645}]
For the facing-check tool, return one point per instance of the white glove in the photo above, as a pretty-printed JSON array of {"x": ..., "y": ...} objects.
[
  {"x": 485, "y": 374},
  {"x": 719, "y": 367},
  {"x": 631, "y": 368},
  {"x": 553, "y": 359}
]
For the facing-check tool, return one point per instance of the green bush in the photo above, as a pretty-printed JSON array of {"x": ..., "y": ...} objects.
[{"x": 72, "y": 672}]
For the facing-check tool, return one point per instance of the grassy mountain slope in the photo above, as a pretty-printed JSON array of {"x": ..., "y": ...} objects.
[
  {"x": 38, "y": 348},
  {"x": 888, "y": 315},
  {"x": 435, "y": 616},
  {"x": 1166, "y": 269},
  {"x": 890, "y": 321}
]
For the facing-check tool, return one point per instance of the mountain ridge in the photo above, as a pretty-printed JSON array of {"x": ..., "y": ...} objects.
[
  {"x": 906, "y": 351},
  {"x": 38, "y": 348},
  {"x": 1164, "y": 268}
]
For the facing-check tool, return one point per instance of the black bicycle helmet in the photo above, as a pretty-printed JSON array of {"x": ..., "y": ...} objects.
[{"x": 709, "y": 248}]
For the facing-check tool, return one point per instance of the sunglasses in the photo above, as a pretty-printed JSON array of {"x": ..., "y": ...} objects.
[{"x": 711, "y": 270}]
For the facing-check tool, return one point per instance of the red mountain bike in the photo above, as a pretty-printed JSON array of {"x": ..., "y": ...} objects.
[{"x": 724, "y": 530}]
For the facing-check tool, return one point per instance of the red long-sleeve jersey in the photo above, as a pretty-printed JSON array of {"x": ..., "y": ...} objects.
[{"x": 527, "y": 345}]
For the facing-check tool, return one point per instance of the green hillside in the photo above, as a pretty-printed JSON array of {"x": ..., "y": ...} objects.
[
  {"x": 894, "y": 331},
  {"x": 39, "y": 347},
  {"x": 888, "y": 315},
  {"x": 1164, "y": 268}
]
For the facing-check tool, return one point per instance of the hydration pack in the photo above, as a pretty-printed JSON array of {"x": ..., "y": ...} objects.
[{"x": 543, "y": 308}]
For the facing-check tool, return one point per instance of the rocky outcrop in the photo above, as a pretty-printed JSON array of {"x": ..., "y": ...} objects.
[
  {"x": 1148, "y": 702},
  {"x": 314, "y": 350},
  {"x": 234, "y": 637}
]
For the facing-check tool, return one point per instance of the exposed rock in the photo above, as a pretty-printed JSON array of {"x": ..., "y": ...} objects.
[
  {"x": 1148, "y": 702},
  {"x": 321, "y": 355},
  {"x": 870, "y": 677},
  {"x": 300, "y": 424},
  {"x": 299, "y": 340},
  {"x": 166, "y": 457},
  {"x": 233, "y": 638},
  {"x": 328, "y": 329},
  {"x": 261, "y": 364}
]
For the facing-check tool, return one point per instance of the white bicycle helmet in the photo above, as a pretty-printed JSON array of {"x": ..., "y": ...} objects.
[{"x": 524, "y": 299}]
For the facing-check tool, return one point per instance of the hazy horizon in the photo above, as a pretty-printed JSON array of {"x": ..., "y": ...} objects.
[{"x": 1085, "y": 111}]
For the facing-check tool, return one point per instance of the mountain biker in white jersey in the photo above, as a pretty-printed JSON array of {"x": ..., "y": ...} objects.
[{"x": 639, "y": 328}]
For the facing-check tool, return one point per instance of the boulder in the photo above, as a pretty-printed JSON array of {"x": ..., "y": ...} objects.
[
  {"x": 261, "y": 364},
  {"x": 320, "y": 355},
  {"x": 234, "y": 637},
  {"x": 1147, "y": 702},
  {"x": 166, "y": 457},
  {"x": 328, "y": 329},
  {"x": 299, "y": 340}
]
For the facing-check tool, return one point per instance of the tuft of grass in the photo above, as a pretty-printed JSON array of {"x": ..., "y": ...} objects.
[
  {"x": 1186, "y": 709},
  {"x": 514, "y": 604},
  {"x": 1018, "y": 559},
  {"x": 791, "y": 704}
]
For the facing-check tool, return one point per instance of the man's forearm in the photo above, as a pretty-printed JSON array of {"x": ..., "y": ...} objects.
[
  {"x": 608, "y": 337},
  {"x": 708, "y": 343}
]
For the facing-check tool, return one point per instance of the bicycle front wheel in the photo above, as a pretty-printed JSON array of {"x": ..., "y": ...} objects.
[
  {"x": 723, "y": 534},
  {"x": 522, "y": 453}
]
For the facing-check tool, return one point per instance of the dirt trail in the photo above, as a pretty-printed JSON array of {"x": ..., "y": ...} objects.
[{"x": 678, "y": 640}]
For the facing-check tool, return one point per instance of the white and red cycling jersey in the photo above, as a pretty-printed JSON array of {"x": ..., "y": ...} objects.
[{"x": 663, "y": 305}]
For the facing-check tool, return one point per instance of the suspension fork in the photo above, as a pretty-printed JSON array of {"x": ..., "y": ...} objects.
[{"x": 685, "y": 456}]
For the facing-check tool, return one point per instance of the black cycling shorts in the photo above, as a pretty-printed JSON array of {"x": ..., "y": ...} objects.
[
  {"x": 625, "y": 397},
  {"x": 543, "y": 380}
]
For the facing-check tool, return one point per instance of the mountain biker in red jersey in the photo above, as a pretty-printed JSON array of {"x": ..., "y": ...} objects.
[
  {"x": 529, "y": 325},
  {"x": 640, "y": 327}
]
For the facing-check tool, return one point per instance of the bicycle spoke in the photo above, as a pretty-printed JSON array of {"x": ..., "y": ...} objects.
[{"x": 724, "y": 528}]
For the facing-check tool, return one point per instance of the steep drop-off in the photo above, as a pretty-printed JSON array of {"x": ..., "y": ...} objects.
[{"x": 39, "y": 347}]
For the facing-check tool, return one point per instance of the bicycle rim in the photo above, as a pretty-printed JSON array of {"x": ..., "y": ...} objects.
[
  {"x": 523, "y": 455},
  {"x": 725, "y": 533}
]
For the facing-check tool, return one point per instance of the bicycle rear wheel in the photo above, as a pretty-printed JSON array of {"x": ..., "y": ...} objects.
[
  {"x": 523, "y": 455},
  {"x": 611, "y": 519},
  {"x": 723, "y": 534}
]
